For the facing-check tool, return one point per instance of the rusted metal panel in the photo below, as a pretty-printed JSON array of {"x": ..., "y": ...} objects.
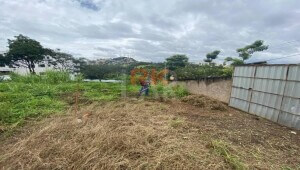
[
  {"x": 271, "y": 72},
  {"x": 243, "y": 82},
  {"x": 244, "y": 71},
  {"x": 269, "y": 86},
  {"x": 290, "y": 120},
  {"x": 240, "y": 93},
  {"x": 239, "y": 104},
  {"x": 292, "y": 89},
  {"x": 265, "y": 112},
  {"x": 266, "y": 99},
  {"x": 294, "y": 73}
]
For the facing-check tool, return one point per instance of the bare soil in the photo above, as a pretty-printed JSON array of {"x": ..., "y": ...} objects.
[{"x": 149, "y": 134}]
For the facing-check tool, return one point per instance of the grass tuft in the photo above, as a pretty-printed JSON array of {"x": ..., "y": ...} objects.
[{"x": 222, "y": 148}]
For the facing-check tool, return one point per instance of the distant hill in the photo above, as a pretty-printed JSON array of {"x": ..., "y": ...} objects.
[{"x": 116, "y": 61}]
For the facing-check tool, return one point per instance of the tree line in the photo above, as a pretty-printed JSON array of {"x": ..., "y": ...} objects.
[{"x": 26, "y": 52}]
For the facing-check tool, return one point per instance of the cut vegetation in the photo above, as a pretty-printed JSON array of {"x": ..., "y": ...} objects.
[{"x": 132, "y": 133}]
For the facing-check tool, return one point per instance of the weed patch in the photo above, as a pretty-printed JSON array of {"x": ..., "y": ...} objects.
[
  {"x": 222, "y": 148},
  {"x": 34, "y": 96}
]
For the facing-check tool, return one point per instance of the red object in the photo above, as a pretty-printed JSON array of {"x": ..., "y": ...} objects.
[{"x": 143, "y": 83}]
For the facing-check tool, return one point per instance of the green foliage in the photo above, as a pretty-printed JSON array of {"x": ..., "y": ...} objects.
[
  {"x": 212, "y": 56},
  {"x": 234, "y": 61},
  {"x": 168, "y": 91},
  {"x": 22, "y": 100},
  {"x": 177, "y": 61},
  {"x": 51, "y": 77},
  {"x": 246, "y": 52},
  {"x": 39, "y": 95},
  {"x": 223, "y": 149},
  {"x": 24, "y": 51},
  {"x": 203, "y": 71},
  {"x": 114, "y": 71},
  {"x": 103, "y": 71},
  {"x": 2, "y": 60},
  {"x": 63, "y": 61},
  {"x": 227, "y": 71}
]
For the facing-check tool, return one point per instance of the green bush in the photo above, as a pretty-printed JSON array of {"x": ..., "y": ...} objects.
[
  {"x": 51, "y": 77},
  {"x": 168, "y": 91},
  {"x": 203, "y": 71}
]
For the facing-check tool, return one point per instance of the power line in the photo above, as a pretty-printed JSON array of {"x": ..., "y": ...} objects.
[
  {"x": 283, "y": 57},
  {"x": 284, "y": 45}
]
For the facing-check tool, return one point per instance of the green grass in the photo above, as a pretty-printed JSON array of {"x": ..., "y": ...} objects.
[
  {"x": 223, "y": 149},
  {"x": 176, "y": 122},
  {"x": 168, "y": 91},
  {"x": 40, "y": 95}
]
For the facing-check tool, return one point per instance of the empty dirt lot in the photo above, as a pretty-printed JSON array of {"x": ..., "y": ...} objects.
[{"x": 195, "y": 133}]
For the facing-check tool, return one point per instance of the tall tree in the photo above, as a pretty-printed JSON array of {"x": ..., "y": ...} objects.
[
  {"x": 177, "y": 61},
  {"x": 246, "y": 52},
  {"x": 80, "y": 64},
  {"x": 25, "y": 52},
  {"x": 62, "y": 61},
  {"x": 2, "y": 60},
  {"x": 211, "y": 56}
]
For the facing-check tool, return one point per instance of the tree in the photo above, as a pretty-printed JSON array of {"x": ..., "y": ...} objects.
[
  {"x": 25, "y": 52},
  {"x": 2, "y": 60},
  {"x": 234, "y": 61},
  {"x": 211, "y": 56},
  {"x": 246, "y": 52},
  {"x": 177, "y": 61},
  {"x": 80, "y": 64},
  {"x": 63, "y": 61}
]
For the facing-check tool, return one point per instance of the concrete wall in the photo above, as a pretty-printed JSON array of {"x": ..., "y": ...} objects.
[{"x": 218, "y": 88}]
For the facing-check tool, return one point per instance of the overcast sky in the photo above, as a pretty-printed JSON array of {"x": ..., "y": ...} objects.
[{"x": 151, "y": 30}]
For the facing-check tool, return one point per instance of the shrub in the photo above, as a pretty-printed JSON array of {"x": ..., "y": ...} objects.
[
  {"x": 161, "y": 90},
  {"x": 51, "y": 77}
]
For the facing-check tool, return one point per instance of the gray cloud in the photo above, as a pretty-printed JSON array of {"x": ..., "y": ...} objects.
[{"x": 153, "y": 30}]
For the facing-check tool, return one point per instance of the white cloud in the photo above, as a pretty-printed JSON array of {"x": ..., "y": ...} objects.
[{"x": 153, "y": 30}]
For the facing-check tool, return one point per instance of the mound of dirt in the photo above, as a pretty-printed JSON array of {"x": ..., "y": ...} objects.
[{"x": 203, "y": 101}]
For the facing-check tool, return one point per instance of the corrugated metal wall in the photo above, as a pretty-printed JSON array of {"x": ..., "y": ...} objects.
[{"x": 272, "y": 92}]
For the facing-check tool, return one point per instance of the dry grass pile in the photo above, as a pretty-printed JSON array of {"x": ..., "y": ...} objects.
[
  {"x": 205, "y": 102},
  {"x": 142, "y": 134},
  {"x": 116, "y": 135}
]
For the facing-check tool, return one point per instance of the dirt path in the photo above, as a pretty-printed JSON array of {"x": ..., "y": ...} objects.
[{"x": 143, "y": 134}]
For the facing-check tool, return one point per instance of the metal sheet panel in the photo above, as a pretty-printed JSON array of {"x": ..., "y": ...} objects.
[
  {"x": 292, "y": 89},
  {"x": 269, "y": 86},
  {"x": 271, "y": 72},
  {"x": 266, "y": 99},
  {"x": 294, "y": 73},
  {"x": 291, "y": 105},
  {"x": 240, "y": 93},
  {"x": 289, "y": 120},
  {"x": 239, "y": 104},
  {"x": 242, "y": 82},
  {"x": 244, "y": 71},
  {"x": 266, "y": 91},
  {"x": 265, "y": 112}
]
